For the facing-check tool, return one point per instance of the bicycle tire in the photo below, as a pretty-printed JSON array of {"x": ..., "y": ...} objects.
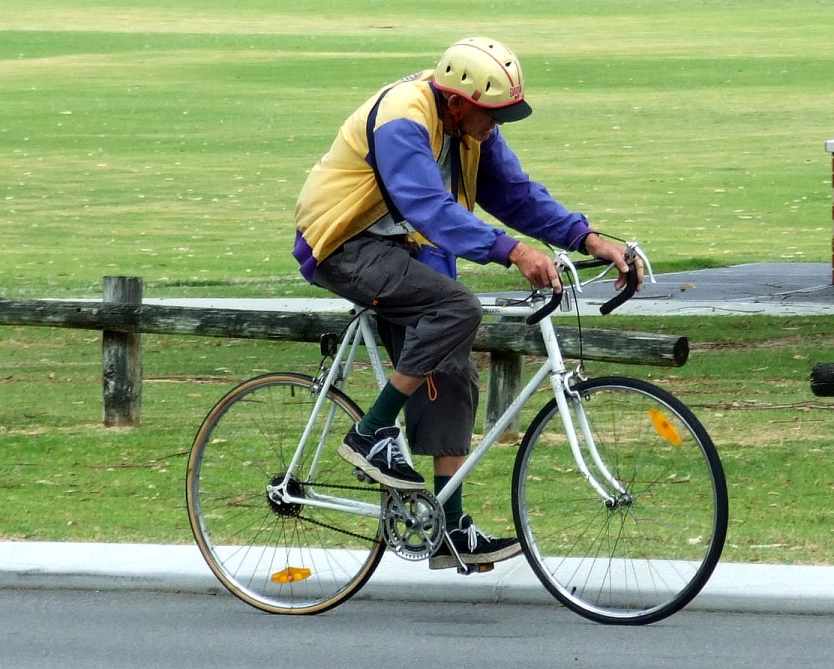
[
  {"x": 279, "y": 557},
  {"x": 651, "y": 554}
]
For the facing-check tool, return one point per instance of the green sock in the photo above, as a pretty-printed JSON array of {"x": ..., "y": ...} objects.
[
  {"x": 384, "y": 411},
  {"x": 453, "y": 508}
]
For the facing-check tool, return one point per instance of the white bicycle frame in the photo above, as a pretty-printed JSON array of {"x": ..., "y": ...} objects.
[{"x": 553, "y": 367}]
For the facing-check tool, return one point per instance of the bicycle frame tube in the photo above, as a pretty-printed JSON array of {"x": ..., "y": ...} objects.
[
  {"x": 555, "y": 367},
  {"x": 341, "y": 376},
  {"x": 322, "y": 395},
  {"x": 381, "y": 380},
  {"x": 496, "y": 431},
  {"x": 333, "y": 503}
]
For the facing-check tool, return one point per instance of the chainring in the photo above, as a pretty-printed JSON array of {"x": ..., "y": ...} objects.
[{"x": 413, "y": 523}]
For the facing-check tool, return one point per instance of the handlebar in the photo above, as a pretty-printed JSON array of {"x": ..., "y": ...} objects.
[
  {"x": 633, "y": 251},
  {"x": 624, "y": 295},
  {"x": 547, "y": 309}
]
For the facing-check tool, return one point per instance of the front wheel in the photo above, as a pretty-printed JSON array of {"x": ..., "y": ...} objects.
[{"x": 648, "y": 550}]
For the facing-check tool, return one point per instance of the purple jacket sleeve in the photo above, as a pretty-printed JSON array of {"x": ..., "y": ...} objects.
[
  {"x": 506, "y": 192},
  {"x": 407, "y": 166}
]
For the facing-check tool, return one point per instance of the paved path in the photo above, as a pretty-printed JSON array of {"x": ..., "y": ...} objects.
[
  {"x": 774, "y": 289},
  {"x": 134, "y": 630}
]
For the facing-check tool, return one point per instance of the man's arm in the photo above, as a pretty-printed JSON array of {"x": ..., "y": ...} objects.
[
  {"x": 408, "y": 169},
  {"x": 508, "y": 193}
]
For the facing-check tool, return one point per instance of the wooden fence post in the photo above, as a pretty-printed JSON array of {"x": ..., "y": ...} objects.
[
  {"x": 504, "y": 384},
  {"x": 829, "y": 146},
  {"x": 122, "y": 358}
]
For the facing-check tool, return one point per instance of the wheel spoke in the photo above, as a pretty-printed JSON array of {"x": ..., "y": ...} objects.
[{"x": 278, "y": 555}]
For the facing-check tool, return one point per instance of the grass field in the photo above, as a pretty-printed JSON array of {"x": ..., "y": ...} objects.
[
  {"x": 169, "y": 141},
  {"x": 64, "y": 476}
]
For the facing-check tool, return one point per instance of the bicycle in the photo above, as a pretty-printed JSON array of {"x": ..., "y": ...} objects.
[{"x": 618, "y": 495}]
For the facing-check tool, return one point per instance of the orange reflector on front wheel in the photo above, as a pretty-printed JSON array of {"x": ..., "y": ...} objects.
[
  {"x": 291, "y": 574},
  {"x": 664, "y": 428}
]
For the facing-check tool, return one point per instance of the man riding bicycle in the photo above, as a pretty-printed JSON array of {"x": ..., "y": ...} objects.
[{"x": 382, "y": 218}]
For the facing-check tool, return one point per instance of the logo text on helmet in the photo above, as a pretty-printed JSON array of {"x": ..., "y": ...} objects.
[{"x": 515, "y": 91}]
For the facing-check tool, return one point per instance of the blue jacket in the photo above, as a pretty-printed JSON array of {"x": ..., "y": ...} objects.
[{"x": 341, "y": 196}]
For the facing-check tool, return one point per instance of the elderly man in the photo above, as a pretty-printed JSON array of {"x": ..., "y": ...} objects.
[{"x": 381, "y": 220}]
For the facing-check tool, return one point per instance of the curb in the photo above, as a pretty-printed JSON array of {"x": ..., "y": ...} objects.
[{"x": 745, "y": 588}]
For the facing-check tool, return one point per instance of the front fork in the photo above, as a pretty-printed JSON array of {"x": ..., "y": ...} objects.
[{"x": 570, "y": 403}]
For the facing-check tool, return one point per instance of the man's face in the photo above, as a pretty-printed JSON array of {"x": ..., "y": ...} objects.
[
  {"x": 470, "y": 119},
  {"x": 475, "y": 122}
]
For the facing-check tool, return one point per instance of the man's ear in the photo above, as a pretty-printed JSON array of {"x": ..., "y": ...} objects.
[{"x": 456, "y": 104}]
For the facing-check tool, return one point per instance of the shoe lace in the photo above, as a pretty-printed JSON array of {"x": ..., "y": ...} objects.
[
  {"x": 472, "y": 534},
  {"x": 393, "y": 453}
]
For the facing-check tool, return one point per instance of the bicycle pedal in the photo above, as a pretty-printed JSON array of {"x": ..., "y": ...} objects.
[{"x": 476, "y": 568}]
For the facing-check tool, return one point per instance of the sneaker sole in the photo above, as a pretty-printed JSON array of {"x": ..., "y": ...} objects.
[
  {"x": 354, "y": 458},
  {"x": 448, "y": 561}
]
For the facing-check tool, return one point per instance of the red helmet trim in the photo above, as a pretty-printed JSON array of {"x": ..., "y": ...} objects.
[{"x": 449, "y": 89}]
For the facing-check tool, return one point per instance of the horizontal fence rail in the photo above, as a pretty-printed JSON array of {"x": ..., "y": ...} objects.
[
  {"x": 639, "y": 348},
  {"x": 123, "y": 317}
]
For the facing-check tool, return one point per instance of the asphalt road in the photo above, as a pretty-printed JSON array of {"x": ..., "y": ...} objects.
[{"x": 42, "y": 629}]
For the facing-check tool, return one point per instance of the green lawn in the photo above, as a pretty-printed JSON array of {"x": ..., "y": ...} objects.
[
  {"x": 66, "y": 477},
  {"x": 169, "y": 141}
]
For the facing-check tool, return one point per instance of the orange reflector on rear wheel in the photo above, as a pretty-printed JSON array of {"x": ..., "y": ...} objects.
[
  {"x": 664, "y": 428},
  {"x": 291, "y": 574}
]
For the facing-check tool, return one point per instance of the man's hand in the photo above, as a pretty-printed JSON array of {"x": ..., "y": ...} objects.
[
  {"x": 600, "y": 247},
  {"x": 537, "y": 267}
]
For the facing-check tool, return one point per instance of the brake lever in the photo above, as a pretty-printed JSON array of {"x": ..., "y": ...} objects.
[{"x": 564, "y": 262}]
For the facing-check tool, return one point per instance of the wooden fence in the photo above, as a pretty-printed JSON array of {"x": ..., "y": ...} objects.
[{"x": 122, "y": 317}]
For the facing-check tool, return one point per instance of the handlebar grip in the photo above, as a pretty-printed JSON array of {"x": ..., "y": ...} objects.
[
  {"x": 624, "y": 295},
  {"x": 547, "y": 309}
]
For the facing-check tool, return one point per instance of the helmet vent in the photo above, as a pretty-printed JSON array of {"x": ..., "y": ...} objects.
[
  {"x": 463, "y": 78},
  {"x": 508, "y": 63},
  {"x": 489, "y": 83},
  {"x": 448, "y": 69}
]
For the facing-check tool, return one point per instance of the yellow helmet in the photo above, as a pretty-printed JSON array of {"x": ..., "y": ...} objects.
[{"x": 486, "y": 73}]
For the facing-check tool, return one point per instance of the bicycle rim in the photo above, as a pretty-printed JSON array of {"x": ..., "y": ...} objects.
[
  {"x": 650, "y": 554},
  {"x": 280, "y": 557}
]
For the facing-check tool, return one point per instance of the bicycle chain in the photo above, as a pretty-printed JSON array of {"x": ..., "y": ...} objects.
[
  {"x": 339, "y": 529},
  {"x": 333, "y": 527}
]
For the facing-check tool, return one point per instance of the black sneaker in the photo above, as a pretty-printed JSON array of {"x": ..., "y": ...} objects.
[
  {"x": 474, "y": 547},
  {"x": 380, "y": 457}
]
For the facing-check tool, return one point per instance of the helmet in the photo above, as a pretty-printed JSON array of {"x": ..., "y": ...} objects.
[{"x": 486, "y": 73}]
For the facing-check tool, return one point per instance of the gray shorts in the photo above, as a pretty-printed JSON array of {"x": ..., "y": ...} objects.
[{"x": 427, "y": 322}]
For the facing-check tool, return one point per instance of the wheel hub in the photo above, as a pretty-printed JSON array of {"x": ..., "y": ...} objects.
[
  {"x": 620, "y": 501},
  {"x": 275, "y": 495}
]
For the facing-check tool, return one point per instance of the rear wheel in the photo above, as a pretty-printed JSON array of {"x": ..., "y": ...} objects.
[
  {"x": 262, "y": 541},
  {"x": 649, "y": 551}
]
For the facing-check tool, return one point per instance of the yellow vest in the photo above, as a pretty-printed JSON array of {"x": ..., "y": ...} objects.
[{"x": 340, "y": 197}]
